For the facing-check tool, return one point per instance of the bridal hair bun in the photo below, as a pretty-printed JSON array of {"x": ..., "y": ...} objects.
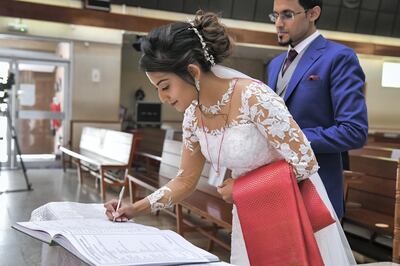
[
  {"x": 215, "y": 35},
  {"x": 171, "y": 48}
]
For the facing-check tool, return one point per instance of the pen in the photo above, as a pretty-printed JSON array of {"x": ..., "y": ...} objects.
[{"x": 119, "y": 200}]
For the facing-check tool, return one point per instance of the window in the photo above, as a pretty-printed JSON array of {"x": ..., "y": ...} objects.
[{"x": 391, "y": 75}]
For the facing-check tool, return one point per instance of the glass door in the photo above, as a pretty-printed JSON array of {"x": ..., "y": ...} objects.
[
  {"x": 39, "y": 109},
  {"x": 38, "y": 99}
]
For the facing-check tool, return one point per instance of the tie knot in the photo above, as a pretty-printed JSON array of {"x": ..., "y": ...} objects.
[{"x": 292, "y": 55}]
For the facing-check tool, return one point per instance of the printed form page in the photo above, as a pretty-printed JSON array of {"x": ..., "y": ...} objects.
[{"x": 102, "y": 242}]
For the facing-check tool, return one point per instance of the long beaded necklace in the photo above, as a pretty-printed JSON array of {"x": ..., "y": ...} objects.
[{"x": 232, "y": 85}]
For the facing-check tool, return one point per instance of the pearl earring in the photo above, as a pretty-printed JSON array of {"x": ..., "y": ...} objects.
[{"x": 197, "y": 84}]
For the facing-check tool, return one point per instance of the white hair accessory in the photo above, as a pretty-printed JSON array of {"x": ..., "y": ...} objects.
[{"x": 209, "y": 57}]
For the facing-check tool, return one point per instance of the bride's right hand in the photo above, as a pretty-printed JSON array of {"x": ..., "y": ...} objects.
[{"x": 125, "y": 212}]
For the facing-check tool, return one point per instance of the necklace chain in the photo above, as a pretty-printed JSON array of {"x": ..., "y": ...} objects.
[
  {"x": 215, "y": 109},
  {"x": 232, "y": 85}
]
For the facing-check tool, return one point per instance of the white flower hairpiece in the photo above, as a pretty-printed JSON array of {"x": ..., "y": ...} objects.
[{"x": 209, "y": 57}]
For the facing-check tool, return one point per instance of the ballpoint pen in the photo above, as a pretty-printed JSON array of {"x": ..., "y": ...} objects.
[{"x": 119, "y": 200}]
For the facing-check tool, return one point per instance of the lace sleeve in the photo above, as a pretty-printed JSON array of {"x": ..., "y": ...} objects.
[
  {"x": 268, "y": 111},
  {"x": 191, "y": 165},
  {"x": 185, "y": 182},
  {"x": 189, "y": 126}
]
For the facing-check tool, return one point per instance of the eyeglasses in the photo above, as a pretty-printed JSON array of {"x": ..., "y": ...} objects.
[{"x": 285, "y": 15}]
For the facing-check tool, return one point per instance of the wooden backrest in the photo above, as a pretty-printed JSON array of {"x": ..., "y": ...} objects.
[
  {"x": 396, "y": 233},
  {"x": 388, "y": 137},
  {"x": 152, "y": 140},
  {"x": 171, "y": 157},
  {"x": 76, "y": 128},
  {"x": 91, "y": 139},
  {"x": 385, "y": 144},
  {"x": 373, "y": 151},
  {"x": 112, "y": 144},
  {"x": 117, "y": 145},
  {"x": 379, "y": 190},
  {"x": 376, "y": 191}
]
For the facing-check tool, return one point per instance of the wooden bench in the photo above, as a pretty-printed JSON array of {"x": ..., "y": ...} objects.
[
  {"x": 389, "y": 136},
  {"x": 106, "y": 154},
  {"x": 385, "y": 144},
  {"x": 373, "y": 151},
  {"x": 75, "y": 131},
  {"x": 150, "y": 148},
  {"x": 204, "y": 202},
  {"x": 354, "y": 177},
  {"x": 373, "y": 207},
  {"x": 378, "y": 151},
  {"x": 389, "y": 139}
]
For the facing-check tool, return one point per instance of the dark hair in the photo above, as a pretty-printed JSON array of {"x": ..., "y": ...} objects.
[
  {"x": 171, "y": 48},
  {"x": 308, "y": 4}
]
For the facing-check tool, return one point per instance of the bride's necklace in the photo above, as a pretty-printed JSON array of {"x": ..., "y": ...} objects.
[
  {"x": 215, "y": 109},
  {"x": 232, "y": 85}
]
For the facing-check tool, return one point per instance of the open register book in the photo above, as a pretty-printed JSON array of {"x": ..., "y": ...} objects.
[{"x": 98, "y": 241}]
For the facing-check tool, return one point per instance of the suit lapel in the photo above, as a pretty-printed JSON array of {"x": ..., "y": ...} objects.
[
  {"x": 275, "y": 69},
  {"x": 313, "y": 52}
]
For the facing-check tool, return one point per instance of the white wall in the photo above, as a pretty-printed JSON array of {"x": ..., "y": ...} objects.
[
  {"x": 132, "y": 78},
  {"x": 383, "y": 103},
  {"x": 64, "y": 31},
  {"x": 96, "y": 100}
]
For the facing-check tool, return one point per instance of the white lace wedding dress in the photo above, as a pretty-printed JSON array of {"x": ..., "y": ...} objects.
[{"x": 258, "y": 131}]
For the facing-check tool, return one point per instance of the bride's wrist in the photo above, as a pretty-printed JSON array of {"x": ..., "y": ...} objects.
[{"x": 141, "y": 206}]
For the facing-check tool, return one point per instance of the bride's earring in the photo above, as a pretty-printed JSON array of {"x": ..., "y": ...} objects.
[{"x": 197, "y": 84}]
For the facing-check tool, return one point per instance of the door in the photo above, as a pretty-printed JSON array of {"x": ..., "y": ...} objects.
[
  {"x": 39, "y": 109},
  {"x": 33, "y": 111}
]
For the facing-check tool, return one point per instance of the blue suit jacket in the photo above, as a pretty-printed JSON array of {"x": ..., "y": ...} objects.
[{"x": 325, "y": 98}]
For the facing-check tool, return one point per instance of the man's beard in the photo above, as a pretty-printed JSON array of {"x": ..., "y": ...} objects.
[{"x": 288, "y": 42}]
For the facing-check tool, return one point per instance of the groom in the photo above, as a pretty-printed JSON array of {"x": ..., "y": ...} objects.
[{"x": 321, "y": 82}]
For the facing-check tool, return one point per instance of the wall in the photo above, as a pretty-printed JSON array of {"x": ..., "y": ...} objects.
[
  {"x": 382, "y": 103},
  {"x": 32, "y": 45},
  {"x": 96, "y": 100},
  {"x": 251, "y": 67},
  {"x": 132, "y": 78},
  {"x": 63, "y": 31}
]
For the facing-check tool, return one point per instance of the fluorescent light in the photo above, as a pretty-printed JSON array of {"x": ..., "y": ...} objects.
[
  {"x": 391, "y": 75},
  {"x": 36, "y": 68}
]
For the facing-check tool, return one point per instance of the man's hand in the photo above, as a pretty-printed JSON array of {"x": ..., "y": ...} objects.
[{"x": 225, "y": 190}]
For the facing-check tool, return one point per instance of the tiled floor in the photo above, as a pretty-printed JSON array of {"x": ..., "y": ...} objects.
[{"x": 17, "y": 249}]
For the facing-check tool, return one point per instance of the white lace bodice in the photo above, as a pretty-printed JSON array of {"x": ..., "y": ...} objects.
[
  {"x": 264, "y": 131},
  {"x": 244, "y": 149},
  {"x": 260, "y": 130}
]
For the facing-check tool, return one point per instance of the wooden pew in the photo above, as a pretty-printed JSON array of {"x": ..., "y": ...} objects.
[
  {"x": 390, "y": 139},
  {"x": 385, "y": 144},
  {"x": 75, "y": 132},
  {"x": 106, "y": 154},
  {"x": 149, "y": 150},
  {"x": 389, "y": 136},
  {"x": 377, "y": 151},
  {"x": 204, "y": 202},
  {"x": 373, "y": 206}
]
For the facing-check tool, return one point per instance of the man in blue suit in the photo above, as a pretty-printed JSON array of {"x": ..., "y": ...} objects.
[{"x": 322, "y": 84}]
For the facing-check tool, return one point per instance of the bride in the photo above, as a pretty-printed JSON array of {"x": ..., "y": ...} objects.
[{"x": 230, "y": 120}]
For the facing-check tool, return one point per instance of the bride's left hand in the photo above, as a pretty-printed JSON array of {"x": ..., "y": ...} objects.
[{"x": 225, "y": 190}]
